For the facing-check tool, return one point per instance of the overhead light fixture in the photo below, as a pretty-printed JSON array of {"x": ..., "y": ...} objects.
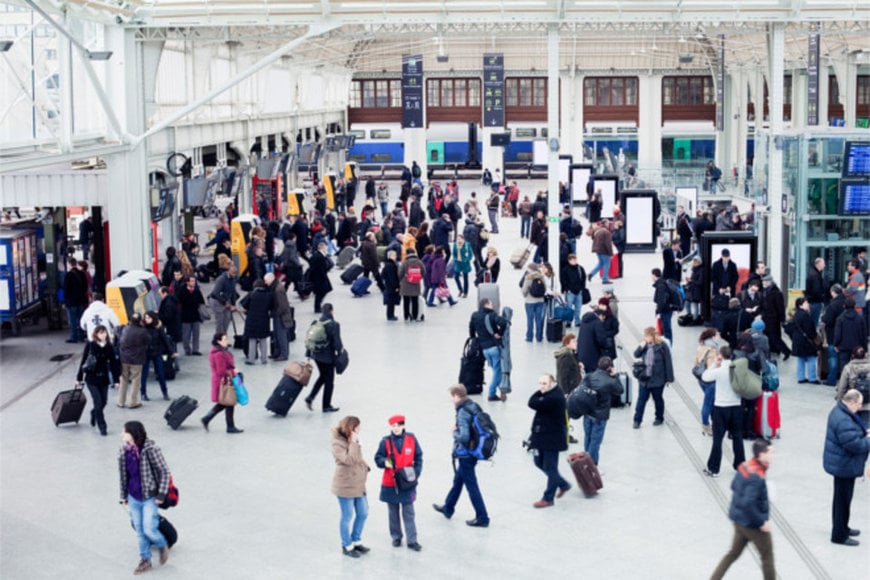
[
  {"x": 686, "y": 58},
  {"x": 442, "y": 58},
  {"x": 5, "y": 45},
  {"x": 682, "y": 40},
  {"x": 99, "y": 54}
]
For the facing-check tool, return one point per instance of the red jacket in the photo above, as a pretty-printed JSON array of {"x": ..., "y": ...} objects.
[{"x": 222, "y": 364}]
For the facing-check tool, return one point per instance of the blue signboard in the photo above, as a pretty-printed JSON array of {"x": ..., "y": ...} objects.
[
  {"x": 493, "y": 90},
  {"x": 412, "y": 90}
]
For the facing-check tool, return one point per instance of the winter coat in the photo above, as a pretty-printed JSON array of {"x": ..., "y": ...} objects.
[
  {"x": 98, "y": 313},
  {"x": 134, "y": 344},
  {"x": 549, "y": 427},
  {"x": 602, "y": 241},
  {"x": 390, "y": 278},
  {"x": 803, "y": 333},
  {"x": 724, "y": 277},
  {"x": 531, "y": 276},
  {"x": 170, "y": 316},
  {"x": 749, "y": 505},
  {"x": 572, "y": 279},
  {"x": 772, "y": 309},
  {"x": 281, "y": 305},
  {"x": 662, "y": 296},
  {"x": 416, "y": 216},
  {"x": 849, "y": 331},
  {"x": 190, "y": 302},
  {"x": 696, "y": 285},
  {"x": 438, "y": 271},
  {"x": 401, "y": 455},
  {"x": 851, "y": 373},
  {"x": 408, "y": 243},
  {"x": 846, "y": 443},
  {"x": 351, "y": 470},
  {"x": 606, "y": 386},
  {"x": 567, "y": 369},
  {"x": 465, "y": 412},
  {"x": 591, "y": 341},
  {"x": 422, "y": 242},
  {"x": 258, "y": 308},
  {"x": 462, "y": 257},
  {"x": 477, "y": 327},
  {"x": 441, "y": 229},
  {"x": 160, "y": 343},
  {"x": 368, "y": 255},
  {"x": 610, "y": 324},
  {"x": 222, "y": 364},
  {"x": 663, "y": 367},
  {"x": 320, "y": 265},
  {"x": 831, "y": 314},
  {"x": 407, "y": 288},
  {"x": 108, "y": 367},
  {"x": 817, "y": 289},
  {"x": 619, "y": 240},
  {"x": 153, "y": 471},
  {"x": 538, "y": 233},
  {"x": 671, "y": 268}
]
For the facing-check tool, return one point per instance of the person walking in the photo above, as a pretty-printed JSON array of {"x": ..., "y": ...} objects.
[
  {"x": 438, "y": 279},
  {"x": 318, "y": 272},
  {"x": 750, "y": 511},
  {"x": 488, "y": 327},
  {"x": 160, "y": 345},
  {"x": 190, "y": 297},
  {"x": 223, "y": 368},
  {"x": 658, "y": 371},
  {"x": 606, "y": 386},
  {"x": 411, "y": 274},
  {"x": 602, "y": 247},
  {"x": 549, "y": 437},
  {"x": 100, "y": 374},
  {"x": 144, "y": 478},
  {"x": 324, "y": 349},
  {"x": 846, "y": 448},
  {"x": 257, "y": 305},
  {"x": 727, "y": 412},
  {"x": 397, "y": 451},
  {"x": 464, "y": 474},
  {"x": 349, "y": 484},
  {"x": 133, "y": 349}
]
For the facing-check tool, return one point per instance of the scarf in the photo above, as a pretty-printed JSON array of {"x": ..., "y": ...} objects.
[{"x": 649, "y": 359}]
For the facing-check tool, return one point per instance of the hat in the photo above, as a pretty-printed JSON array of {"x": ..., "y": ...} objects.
[
  {"x": 604, "y": 301},
  {"x": 698, "y": 259},
  {"x": 837, "y": 289},
  {"x": 396, "y": 419},
  {"x": 726, "y": 253},
  {"x": 534, "y": 267},
  {"x": 758, "y": 325},
  {"x": 767, "y": 278}
]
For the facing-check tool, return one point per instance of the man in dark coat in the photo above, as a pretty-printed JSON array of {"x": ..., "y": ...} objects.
[
  {"x": 845, "y": 457},
  {"x": 662, "y": 300},
  {"x": 283, "y": 319},
  {"x": 320, "y": 267},
  {"x": 441, "y": 229},
  {"x": 391, "y": 285},
  {"x": 549, "y": 437},
  {"x": 816, "y": 290},
  {"x": 829, "y": 319},
  {"x": 325, "y": 361},
  {"x": 773, "y": 315},
  {"x": 671, "y": 256},
  {"x": 170, "y": 314},
  {"x": 849, "y": 332},
  {"x": 300, "y": 228},
  {"x": 416, "y": 214},
  {"x": 488, "y": 327},
  {"x": 75, "y": 297},
  {"x": 257, "y": 305},
  {"x": 684, "y": 231},
  {"x": 368, "y": 254},
  {"x": 133, "y": 349},
  {"x": 370, "y": 187},
  {"x": 606, "y": 386},
  {"x": 190, "y": 297},
  {"x": 724, "y": 274},
  {"x": 591, "y": 340}
]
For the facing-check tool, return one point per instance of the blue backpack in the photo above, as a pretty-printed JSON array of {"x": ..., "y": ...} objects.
[
  {"x": 770, "y": 376},
  {"x": 484, "y": 437}
]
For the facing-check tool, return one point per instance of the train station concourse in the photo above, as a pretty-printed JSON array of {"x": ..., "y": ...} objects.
[{"x": 135, "y": 134}]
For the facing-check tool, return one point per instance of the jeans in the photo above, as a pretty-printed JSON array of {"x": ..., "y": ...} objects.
[
  {"x": 525, "y": 226},
  {"x": 350, "y": 506},
  {"x": 407, "y": 510},
  {"x": 463, "y": 285},
  {"x": 145, "y": 521},
  {"x": 280, "y": 334},
  {"x": 74, "y": 317},
  {"x": 844, "y": 487},
  {"x": 535, "y": 320},
  {"x": 99, "y": 395},
  {"x": 593, "y": 435},
  {"x": 465, "y": 475},
  {"x": 575, "y": 301},
  {"x": 832, "y": 366},
  {"x": 742, "y": 536},
  {"x": 548, "y": 462},
  {"x": 726, "y": 419},
  {"x": 806, "y": 368},
  {"x": 643, "y": 395},
  {"x": 326, "y": 379},
  {"x": 815, "y": 312},
  {"x": 667, "y": 326},
  {"x": 603, "y": 266},
  {"x": 190, "y": 337},
  {"x": 707, "y": 406},
  {"x": 493, "y": 357},
  {"x": 493, "y": 222},
  {"x": 157, "y": 361},
  {"x": 384, "y": 209},
  {"x": 694, "y": 309}
]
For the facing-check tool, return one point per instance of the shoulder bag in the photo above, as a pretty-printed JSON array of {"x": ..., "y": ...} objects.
[
  {"x": 405, "y": 477},
  {"x": 341, "y": 361},
  {"x": 227, "y": 394}
]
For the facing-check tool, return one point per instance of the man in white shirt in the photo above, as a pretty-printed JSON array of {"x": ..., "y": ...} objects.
[
  {"x": 98, "y": 313},
  {"x": 727, "y": 412}
]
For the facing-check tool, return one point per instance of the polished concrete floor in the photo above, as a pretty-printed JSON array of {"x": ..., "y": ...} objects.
[{"x": 258, "y": 505}]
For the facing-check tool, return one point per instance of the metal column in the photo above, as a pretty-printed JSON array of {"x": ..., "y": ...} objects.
[
  {"x": 554, "y": 141},
  {"x": 776, "y": 51}
]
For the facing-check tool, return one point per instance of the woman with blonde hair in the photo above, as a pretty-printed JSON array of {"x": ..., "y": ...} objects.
[
  {"x": 657, "y": 371},
  {"x": 349, "y": 484},
  {"x": 409, "y": 241},
  {"x": 708, "y": 347}
]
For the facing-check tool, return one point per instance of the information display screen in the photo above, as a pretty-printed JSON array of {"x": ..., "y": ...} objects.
[
  {"x": 856, "y": 159},
  {"x": 855, "y": 197}
]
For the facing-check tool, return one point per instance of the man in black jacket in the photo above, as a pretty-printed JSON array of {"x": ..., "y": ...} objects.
[
  {"x": 489, "y": 327},
  {"x": 671, "y": 257},
  {"x": 829, "y": 319},
  {"x": 816, "y": 289},
  {"x": 573, "y": 280},
  {"x": 75, "y": 296},
  {"x": 849, "y": 332},
  {"x": 606, "y": 386},
  {"x": 773, "y": 315},
  {"x": 662, "y": 299},
  {"x": 320, "y": 267},
  {"x": 724, "y": 274},
  {"x": 591, "y": 340},
  {"x": 324, "y": 358},
  {"x": 549, "y": 437}
]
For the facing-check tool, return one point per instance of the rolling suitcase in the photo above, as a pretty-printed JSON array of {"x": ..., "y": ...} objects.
[
  {"x": 352, "y": 272},
  {"x": 69, "y": 405},
  {"x": 489, "y": 290},
  {"x": 471, "y": 367},
  {"x": 554, "y": 327},
  {"x": 284, "y": 396},
  {"x": 179, "y": 410},
  {"x": 767, "y": 419},
  {"x": 520, "y": 256},
  {"x": 586, "y": 473},
  {"x": 614, "y": 268},
  {"x": 345, "y": 257},
  {"x": 360, "y": 286},
  {"x": 623, "y": 400}
]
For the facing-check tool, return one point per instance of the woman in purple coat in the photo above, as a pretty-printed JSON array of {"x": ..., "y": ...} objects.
[
  {"x": 222, "y": 365},
  {"x": 438, "y": 279}
]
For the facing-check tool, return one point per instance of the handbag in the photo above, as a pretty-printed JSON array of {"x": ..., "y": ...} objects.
[
  {"x": 585, "y": 296},
  {"x": 204, "y": 313},
  {"x": 90, "y": 363},
  {"x": 405, "y": 477},
  {"x": 699, "y": 368},
  {"x": 227, "y": 394},
  {"x": 241, "y": 390},
  {"x": 442, "y": 292},
  {"x": 638, "y": 370},
  {"x": 341, "y": 361},
  {"x": 299, "y": 371}
]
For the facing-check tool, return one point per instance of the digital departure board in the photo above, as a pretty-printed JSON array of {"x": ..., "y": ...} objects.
[
  {"x": 856, "y": 159},
  {"x": 855, "y": 197}
]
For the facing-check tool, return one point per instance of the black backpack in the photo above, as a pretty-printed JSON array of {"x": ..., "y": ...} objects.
[
  {"x": 537, "y": 289},
  {"x": 676, "y": 299},
  {"x": 862, "y": 385},
  {"x": 582, "y": 401}
]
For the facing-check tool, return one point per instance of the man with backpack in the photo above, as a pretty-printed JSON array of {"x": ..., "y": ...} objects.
[
  {"x": 606, "y": 386},
  {"x": 323, "y": 344},
  {"x": 464, "y": 435},
  {"x": 667, "y": 300},
  {"x": 489, "y": 327}
]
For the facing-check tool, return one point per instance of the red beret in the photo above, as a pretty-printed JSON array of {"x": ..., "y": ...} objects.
[{"x": 396, "y": 419}]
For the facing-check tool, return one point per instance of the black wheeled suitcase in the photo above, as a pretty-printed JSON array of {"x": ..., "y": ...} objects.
[
  {"x": 489, "y": 290},
  {"x": 179, "y": 410},
  {"x": 345, "y": 257},
  {"x": 284, "y": 395},
  {"x": 623, "y": 400},
  {"x": 352, "y": 272},
  {"x": 68, "y": 406},
  {"x": 471, "y": 367}
]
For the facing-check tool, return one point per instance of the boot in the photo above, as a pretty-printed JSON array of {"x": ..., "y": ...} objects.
[
  {"x": 209, "y": 416},
  {"x": 699, "y": 321},
  {"x": 231, "y": 424}
]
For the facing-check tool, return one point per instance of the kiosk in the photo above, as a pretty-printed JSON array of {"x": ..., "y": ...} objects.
[
  {"x": 240, "y": 237},
  {"x": 135, "y": 291}
]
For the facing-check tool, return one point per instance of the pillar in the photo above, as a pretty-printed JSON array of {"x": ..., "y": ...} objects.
[
  {"x": 554, "y": 141},
  {"x": 776, "y": 50},
  {"x": 649, "y": 126}
]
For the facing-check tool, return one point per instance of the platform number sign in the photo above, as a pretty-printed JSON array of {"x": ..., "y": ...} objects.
[
  {"x": 813, "y": 77},
  {"x": 412, "y": 90},
  {"x": 493, "y": 90}
]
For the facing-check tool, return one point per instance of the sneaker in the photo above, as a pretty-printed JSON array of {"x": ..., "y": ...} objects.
[
  {"x": 441, "y": 510},
  {"x": 361, "y": 549},
  {"x": 658, "y": 422},
  {"x": 144, "y": 566},
  {"x": 330, "y": 409},
  {"x": 164, "y": 555},
  {"x": 493, "y": 398},
  {"x": 351, "y": 552},
  {"x": 635, "y": 425},
  {"x": 397, "y": 543},
  {"x": 709, "y": 473},
  {"x": 415, "y": 546}
]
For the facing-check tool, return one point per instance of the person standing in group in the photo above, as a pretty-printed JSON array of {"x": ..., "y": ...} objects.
[
  {"x": 464, "y": 474},
  {"x": 534, "y": 290},
  {"x": 488, "y": 327},
  {"x": 816, "y": 289},
  {"x": 606, "y": 386},
  {"x": 804, "y": 348},
  {"x": 190, "y": 297},
  {"x": 463, "y": 254},
  {"x": 160, "y": 346},
  {"x": 324, "y": 349},
  {"x": 223, "y": 298},
  {"x": 97, "y": 377},
  {"x": 662, "y": 300},
  {"x": 390, "y": 278},
  {"x": 282, "y": 317},
  {"x": 707, "y": 351},
  {"x": 133, "y": 349},
  {"x": 257, "y": 305},
  {"x": 724, "y": 273},
  {"x": 75, "y": 298},
  {"x": 319, "y": 270},
  {"x": 750, "y": 511},
  {"x": 549, "y": 437},
  {"x": 832, "y": 312},
  {"x": 847, "y": 444},
  {"x": 849, "y": 332},
  {"x": 396, "y": 451},
  {"x": 144, "y": 477},
  {"x": 349, "y": 484},
  {"x": 223, "y": 367},
  {"x": 658, "y": 371},
  {"x": 727, "y": 412},
  {"x": 857, "y": 370},
  {"x": 411, "y": 274}
]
